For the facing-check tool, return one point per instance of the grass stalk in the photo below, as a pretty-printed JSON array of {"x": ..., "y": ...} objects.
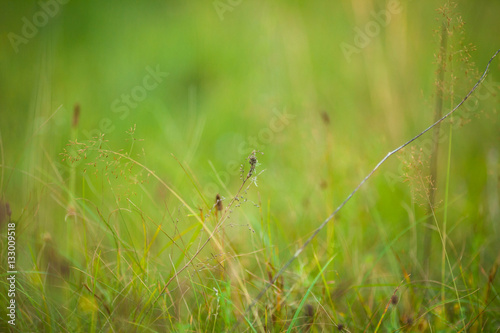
[
  {"x": 438, "y": 110},
  {"x": 445, "y": 213}
]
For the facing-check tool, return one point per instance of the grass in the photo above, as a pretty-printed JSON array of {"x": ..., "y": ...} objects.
[{"x": 176, "y": 216}]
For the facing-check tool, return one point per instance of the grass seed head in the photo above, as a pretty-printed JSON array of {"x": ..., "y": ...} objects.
[
  {"x": 218, "y": 202},
  {"x": 76, "y": 115},
  {"x": 252, "y": 160},
  {"x": 309, "y": 311},
  {"x": 325, "y": 117}
]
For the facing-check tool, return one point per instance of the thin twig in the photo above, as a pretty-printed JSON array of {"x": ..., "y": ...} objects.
[{"x": 329, "y": 218}]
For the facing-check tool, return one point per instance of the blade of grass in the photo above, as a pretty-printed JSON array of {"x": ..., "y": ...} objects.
[{"x": 301, "y": 305}]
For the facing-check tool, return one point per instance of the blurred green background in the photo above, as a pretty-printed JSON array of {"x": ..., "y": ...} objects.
[{"x": 227, "y": 70}]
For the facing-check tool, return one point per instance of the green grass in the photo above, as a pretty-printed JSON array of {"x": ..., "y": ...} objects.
[{"x": 121, "y": 232}]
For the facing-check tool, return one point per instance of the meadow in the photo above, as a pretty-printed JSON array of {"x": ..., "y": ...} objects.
[{"x": 164, "y": 165}]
